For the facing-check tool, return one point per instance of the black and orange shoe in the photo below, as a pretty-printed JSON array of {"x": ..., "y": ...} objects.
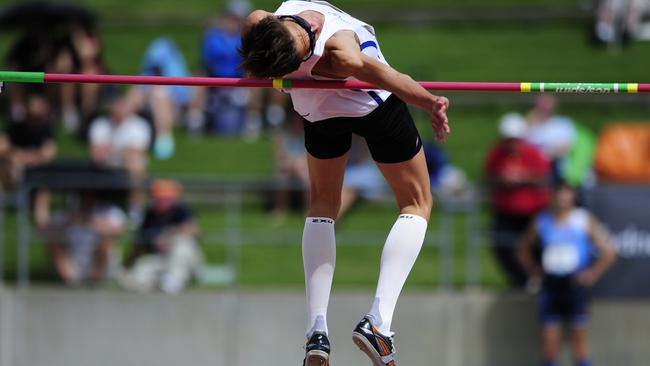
[
  {"x": 377, "y": 346},
  {"x": 317, "y": 350}
]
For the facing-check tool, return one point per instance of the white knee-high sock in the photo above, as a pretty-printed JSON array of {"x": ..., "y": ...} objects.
[
  {"x": 400, "y": 252},
  {"x": 319, "y": 258}
]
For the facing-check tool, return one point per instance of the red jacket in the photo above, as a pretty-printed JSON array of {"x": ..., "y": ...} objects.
[{"x": 523, "y": 162}]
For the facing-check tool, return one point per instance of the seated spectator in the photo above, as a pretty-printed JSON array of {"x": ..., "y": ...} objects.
[
  {"x": 230, "y": 111},
  {"x": 569, "y": 236},
  {"x": 618, "y": 21},
  {"x": 447, "y": 180},
  {"x": 50, "y": 42},
  {"x": 30, "y": 51},
  {"x": 166, "y": 252},
  {"x": 165, "y": 104},
  {"x": 121, "y": 140},
  {"x": 27, "y": 143},
  {"x": 81, "y": 242},
  {"x": 80, "y": 52},
  {"x": 362, "y": 179},
  {"x": 551, "y": 133},
  {"x": 290, "y": 164},
  {"x": 517, "y": 175}
]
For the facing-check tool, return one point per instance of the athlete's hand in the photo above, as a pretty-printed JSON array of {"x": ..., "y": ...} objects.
[
  {"x": 439, "y": 120},
  {"x": 587, "y": 277}
]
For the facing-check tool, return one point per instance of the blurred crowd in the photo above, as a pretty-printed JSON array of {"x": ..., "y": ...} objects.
[
  {"x": 621, "y": 21},
  {"x": 123, "y": 129},
  {"x": 542, "y": 149},
  {"x": 542, "y": 236}
]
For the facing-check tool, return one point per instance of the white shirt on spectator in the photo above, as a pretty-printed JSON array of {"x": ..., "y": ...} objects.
[
  {"x": 552, "y": 135},
  {"x": 133, "y": 133}
]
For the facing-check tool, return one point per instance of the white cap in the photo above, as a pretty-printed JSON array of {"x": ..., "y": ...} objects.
[{"x": 512, "y": 125}]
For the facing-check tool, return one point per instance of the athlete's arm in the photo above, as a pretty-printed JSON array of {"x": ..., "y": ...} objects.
[
  {"x": 525, "y": 252},
  {"x": 606, "y": 253},
  {"x": 346, "y": 59}
]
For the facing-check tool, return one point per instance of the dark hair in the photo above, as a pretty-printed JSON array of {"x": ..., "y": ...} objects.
[{"x": 268, "y": 50}]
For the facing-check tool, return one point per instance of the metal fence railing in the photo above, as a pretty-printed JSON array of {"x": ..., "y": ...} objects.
[{"x": 230, "y": 197}]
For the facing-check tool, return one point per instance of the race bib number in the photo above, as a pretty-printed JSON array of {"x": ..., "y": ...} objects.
[{"x": 560, "y": 259}]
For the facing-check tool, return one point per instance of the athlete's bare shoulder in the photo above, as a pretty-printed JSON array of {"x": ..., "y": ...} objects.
[
  {"x": 342, "y": 40},
  {"x": 340, "y": 50}
]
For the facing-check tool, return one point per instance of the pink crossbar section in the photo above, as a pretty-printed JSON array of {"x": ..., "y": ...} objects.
[
  {"x": 267, "y": 83},
  {"x": 257, "y": 83}
]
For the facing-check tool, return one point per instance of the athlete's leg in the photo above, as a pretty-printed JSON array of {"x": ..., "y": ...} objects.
[
  {"x": 579, "y": 346},
  {"x": 325, "y": 184},
  {"x": 409, "y": 181},
  {"x": 318, "y": 242},
  {"x": 551, "y": 338}
]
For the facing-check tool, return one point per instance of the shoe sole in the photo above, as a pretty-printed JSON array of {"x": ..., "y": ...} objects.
[
  {"x": 365, "y": 347},
  {"x": 317, "y": 358}
]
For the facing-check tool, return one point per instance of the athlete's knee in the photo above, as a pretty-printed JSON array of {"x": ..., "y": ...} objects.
[
  {"x": 420, "y": 204},
  {"x": 324, "y": 205},
  {"x": 425, "y": 204}
]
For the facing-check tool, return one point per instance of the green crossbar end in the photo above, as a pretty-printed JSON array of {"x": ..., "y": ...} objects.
[{"x": 22, "y": 77}]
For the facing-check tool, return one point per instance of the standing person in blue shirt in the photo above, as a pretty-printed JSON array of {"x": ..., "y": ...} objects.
[{"x": 569, "y": 238}]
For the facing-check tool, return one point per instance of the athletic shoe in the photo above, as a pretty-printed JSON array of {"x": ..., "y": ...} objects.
[
  {"x": 317, "y": 350},
  {"x": 377, "y": 346}
]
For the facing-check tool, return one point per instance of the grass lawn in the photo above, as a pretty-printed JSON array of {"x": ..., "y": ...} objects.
[{"x": 198, "y": 9}]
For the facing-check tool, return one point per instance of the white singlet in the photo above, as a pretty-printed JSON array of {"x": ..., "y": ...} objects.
[{"x": 316, "y": 105}]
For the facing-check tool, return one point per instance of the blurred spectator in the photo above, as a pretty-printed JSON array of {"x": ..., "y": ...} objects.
[
  {"x": 437, "y": 163},
  {"x": 121, "y": 140},
  {"x": 447, "y": 181},
  {"x": 230, "y": 111},
  {"x": 165, "y": 104},
  {"x": 30, "y": 51},
  {"x": 27, "y": 143},
  {"x": 362, "y": 177},
  {"x": 553, "y": 134},
  {"x": 517, "y": 174},
  {"x": 578, "y": 167},
  {"x": 59, "y": 38},
  {"x": 82, "y": 241},
  {"x": 290, "y": 164},
  {"x": 569, "y": 236},
  {"x": 620, "y": 20},
  {"x": 166, "y": 252},
  {"x": 82, "y": 54}
]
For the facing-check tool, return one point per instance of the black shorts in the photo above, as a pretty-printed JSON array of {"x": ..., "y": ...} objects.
[
  {"x": 562, "y": 299},
  {"x": 389, "y": 131}
]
